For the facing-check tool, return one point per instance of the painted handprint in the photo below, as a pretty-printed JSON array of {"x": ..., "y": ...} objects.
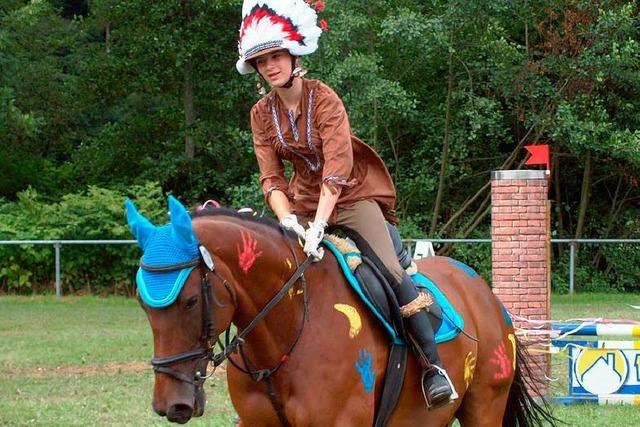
[
  {"x": 248, "y": 254},
  {"x": 501, "y": 360},
  {"x": 364, "y": 366}
]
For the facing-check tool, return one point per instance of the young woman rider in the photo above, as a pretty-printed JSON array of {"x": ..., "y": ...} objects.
[{"x": 337, "y": 179}]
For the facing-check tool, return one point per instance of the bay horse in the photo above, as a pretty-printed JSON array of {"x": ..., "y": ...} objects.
[{"x": 309, "y": 353}]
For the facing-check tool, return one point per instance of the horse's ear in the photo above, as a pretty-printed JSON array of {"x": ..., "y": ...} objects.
[
  {"x": 140, "y": 226},
  {"x": 181, "y": 221}
]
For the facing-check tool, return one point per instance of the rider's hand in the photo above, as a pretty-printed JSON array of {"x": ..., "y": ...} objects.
[
  {"x": 290, "y": 222},
  {"x": 313, "y": 237}
]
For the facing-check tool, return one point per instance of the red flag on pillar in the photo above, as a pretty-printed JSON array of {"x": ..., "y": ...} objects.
[{"x": 539, "y": 155}]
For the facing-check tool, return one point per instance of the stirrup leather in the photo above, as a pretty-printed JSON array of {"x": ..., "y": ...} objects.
[{"x": 454, "y": 393}]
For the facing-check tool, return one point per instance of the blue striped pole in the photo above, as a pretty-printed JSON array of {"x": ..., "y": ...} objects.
[{"x": 598, "y": 329}]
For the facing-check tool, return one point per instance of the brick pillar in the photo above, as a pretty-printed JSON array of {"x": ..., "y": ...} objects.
[{"x": 520, "y": 249}]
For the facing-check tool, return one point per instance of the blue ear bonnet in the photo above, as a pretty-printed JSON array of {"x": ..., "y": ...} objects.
[
  {"x": 161, "y": 288},
  {"x": 164, "y": 246}
]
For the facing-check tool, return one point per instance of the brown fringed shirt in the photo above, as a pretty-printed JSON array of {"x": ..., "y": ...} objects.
[{"x": 324, "y": 152}]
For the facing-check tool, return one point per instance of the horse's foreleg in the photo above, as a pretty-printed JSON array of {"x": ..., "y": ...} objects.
[{"x": 250, "y": 400}]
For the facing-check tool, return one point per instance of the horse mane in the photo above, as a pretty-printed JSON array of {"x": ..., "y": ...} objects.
[{"x": 255, "y": 219}]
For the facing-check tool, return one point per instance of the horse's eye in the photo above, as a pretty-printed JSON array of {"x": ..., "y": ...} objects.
[{"x": 191, "y": 302}]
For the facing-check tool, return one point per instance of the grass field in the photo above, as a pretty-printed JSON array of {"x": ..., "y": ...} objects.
[{"x": 84, "y": 360}]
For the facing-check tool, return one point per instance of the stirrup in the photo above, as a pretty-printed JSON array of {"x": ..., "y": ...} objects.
[{"x": 454, "y": 394}]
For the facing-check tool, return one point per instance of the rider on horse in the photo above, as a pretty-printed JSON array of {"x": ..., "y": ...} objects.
[{"x": 337, "y": 179}]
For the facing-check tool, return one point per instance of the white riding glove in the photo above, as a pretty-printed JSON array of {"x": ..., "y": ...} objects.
[
  {"x": 313, "y": 237},
  {"x": 290, "y": 222}
]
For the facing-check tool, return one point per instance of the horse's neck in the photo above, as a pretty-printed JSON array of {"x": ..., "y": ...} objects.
[
  {"x": 261, "y": 261},
  {"x": 274, "y": 332}
]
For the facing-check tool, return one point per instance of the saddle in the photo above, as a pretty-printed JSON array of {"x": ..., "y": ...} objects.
[{"x": 370, "y": 280}]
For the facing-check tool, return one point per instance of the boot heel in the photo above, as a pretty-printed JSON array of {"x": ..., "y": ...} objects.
[{"x": 437, "y": 374}]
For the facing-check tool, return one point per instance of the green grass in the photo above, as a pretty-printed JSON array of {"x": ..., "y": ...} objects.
[
  {"x": 84, "y": 360},
  {"x": 611, "y": 306}
]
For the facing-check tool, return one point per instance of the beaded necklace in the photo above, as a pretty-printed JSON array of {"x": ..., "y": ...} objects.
[{"x": 314, "y": 166}]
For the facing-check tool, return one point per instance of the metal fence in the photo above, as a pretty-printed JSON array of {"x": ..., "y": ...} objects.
[
  {"x": 573, "y": 245},
  {"x": 57, "y": 246}
]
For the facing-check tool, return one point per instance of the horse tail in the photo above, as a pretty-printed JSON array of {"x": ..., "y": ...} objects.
[{"x": 523, "y": 410}]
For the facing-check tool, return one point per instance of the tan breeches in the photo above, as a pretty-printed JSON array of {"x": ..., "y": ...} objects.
[{"x": 365, "y": 217}]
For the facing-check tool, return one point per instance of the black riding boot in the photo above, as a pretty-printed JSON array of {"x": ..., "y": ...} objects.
[{"x": 436, "y": 385}]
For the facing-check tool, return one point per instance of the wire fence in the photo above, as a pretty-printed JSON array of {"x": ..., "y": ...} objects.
[{"x": 411, "y": 245}]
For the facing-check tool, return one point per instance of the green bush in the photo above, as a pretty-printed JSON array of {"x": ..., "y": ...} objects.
[
  {"x": 560, "y": 278},
  {"x": 618, "y": 270},
  {"x": 623, "y": 266},
  {"x": 96, "y": 214},
  {"x": 476, "y": 256}
]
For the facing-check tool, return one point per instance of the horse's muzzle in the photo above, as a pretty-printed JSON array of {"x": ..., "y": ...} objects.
[
  {"x": 200, "y": 401},
  {"x": 180, "y": 411}
]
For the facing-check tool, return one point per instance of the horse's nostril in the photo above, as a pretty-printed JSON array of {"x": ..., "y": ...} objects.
[
  {"x": 157, "y": 410},
  {"x": 179, "y": 413}
]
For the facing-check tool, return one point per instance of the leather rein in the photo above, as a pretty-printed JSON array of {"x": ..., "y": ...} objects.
[{"x": 206, "y": 354}]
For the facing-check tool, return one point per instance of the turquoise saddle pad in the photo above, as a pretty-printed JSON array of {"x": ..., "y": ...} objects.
[{"x": 452, "y": 321}]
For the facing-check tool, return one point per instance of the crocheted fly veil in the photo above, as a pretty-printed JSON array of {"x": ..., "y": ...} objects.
[
  {"x": 269, "y": 25},
  {"x": 170, "y": 245}
]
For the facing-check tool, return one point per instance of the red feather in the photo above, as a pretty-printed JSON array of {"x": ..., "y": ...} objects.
[{"x": 259, "y": 13}]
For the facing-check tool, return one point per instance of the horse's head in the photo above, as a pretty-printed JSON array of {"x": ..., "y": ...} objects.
[{"x": 178, "y": 292}]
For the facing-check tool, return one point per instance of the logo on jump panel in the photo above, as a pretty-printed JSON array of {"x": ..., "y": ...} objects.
[{"x": 601, "y": 371}]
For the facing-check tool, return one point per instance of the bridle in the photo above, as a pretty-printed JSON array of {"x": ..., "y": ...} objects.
[
  {"x": 205, "y": 354},
  {"x": 163, "y": 364}
]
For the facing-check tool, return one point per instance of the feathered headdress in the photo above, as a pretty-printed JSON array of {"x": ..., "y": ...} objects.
[{"x": 269, "y": 25}]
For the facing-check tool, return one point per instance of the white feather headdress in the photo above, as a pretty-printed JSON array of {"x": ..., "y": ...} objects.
[{"x": 269, "y": 25}]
